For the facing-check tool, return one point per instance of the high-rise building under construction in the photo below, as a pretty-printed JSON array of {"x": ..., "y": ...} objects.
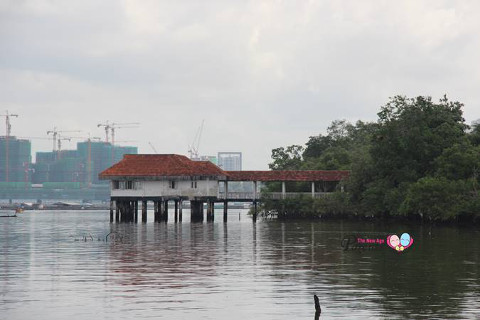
[
  {"x": 79, "y": 167},
  {"x": 15, "y": 159}
]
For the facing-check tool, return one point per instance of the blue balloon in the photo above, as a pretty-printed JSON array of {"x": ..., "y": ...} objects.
[{"x": 405, "y": 239}]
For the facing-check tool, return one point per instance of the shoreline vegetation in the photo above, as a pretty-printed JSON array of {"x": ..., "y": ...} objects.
[{"x": 419, "y": 161}]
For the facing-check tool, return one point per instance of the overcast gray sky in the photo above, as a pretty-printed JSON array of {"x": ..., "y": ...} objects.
[{"x": 262, "y": 74}]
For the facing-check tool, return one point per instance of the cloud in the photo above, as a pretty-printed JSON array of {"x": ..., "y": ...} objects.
[{"x": 262, "y": 74}]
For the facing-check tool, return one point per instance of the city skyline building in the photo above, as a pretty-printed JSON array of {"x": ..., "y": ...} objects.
[{"x": 230, "y": 161}]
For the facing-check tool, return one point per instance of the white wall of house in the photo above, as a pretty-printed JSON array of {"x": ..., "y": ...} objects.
[{"x": 165, "y": 188}]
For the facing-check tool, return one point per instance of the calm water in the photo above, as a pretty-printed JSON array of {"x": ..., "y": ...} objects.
[{"x": 239, "y": 270}]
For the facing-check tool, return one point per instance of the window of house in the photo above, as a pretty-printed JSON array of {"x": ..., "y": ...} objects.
[
  {"x": 115, "y": 184},
  {"x": 194, "y": 184},
  {"x": 172, "y": 184},
  {"x": 129, "y": 185}
]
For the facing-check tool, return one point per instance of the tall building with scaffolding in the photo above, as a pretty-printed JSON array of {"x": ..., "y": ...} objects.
[
  {"x": 78, "y": 168},
  {"x": 15, "y": 160}
]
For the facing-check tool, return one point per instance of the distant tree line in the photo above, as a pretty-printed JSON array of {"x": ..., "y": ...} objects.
[{"x": 418, "y": 161}]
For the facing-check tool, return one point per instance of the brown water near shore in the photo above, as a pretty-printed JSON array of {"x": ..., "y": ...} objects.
[{"x": 76, "y": 265}]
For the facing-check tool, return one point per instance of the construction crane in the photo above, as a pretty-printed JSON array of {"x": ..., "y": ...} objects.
[
  {"x": 59, "y": 141},
  {"x": 111, "y": 127},
  {"x": 107, "y": 129},
  {"x": 8, "y": 126},
  {"x": 153, "y": 148},
  {"x": 120, "y": 126},
  {"x": 194, "y": 147},
  {"x": 8, "y": 129},
  {"x": 55, "y": 133}
]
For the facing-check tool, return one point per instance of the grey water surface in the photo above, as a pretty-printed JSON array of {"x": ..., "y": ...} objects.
[{"x": 62, "y": 265}]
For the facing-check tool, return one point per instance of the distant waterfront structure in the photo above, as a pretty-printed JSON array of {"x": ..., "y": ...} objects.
[
  {"x": 15, "y": 160},
  {"x": 230, "y": 161}
]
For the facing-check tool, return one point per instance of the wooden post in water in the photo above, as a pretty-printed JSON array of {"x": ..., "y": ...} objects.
[
  {"x": 255, "y": 211},
  {"x": 144, "y": 211}
]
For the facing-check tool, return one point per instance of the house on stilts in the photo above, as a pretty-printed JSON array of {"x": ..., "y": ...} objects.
[{"x": 164, "y": 178}]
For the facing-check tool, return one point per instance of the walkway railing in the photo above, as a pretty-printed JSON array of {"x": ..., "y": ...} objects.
[{"x": 270, "y": 195}]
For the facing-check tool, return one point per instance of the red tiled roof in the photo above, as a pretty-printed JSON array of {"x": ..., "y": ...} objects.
[
  {"x": 160, "y": 165},
  {"x": 290, "y": 175},
  {"x": 155, "y": 166}
]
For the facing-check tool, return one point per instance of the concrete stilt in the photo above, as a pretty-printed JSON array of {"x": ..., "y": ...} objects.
[
  {"x": 144, "y": 211},
  {"x": 117, "y": 211},
  {"x": 225, "y": 203},
  {"x": 156, "y": 217},
  {"x": 164, "y": 216},
  {"x": 225, "y": 210},
  {"x": 135, "y": 203},
  {"x": 176, "y": 210},
  {"x": 196, "y": 210},
  {"x": 180, "y": 209},
  {"x": 111, "y": 210},
  {"x": 210, "y": 205}
]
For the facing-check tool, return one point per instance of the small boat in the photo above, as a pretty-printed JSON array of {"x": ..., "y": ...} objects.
[
  {"x": 7, "y": 214},
  {"x": 18, "y": 210}
]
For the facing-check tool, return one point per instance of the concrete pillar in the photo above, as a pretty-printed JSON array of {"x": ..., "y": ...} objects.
[
  {"x": 144, "y": 210},
  {"x": 135, "y": 203},
  {"x": 165, "y": 211},
  {"x": 121, "y": 208},
  {"x": 156, "y": 215},
  {"x": 176, "y": 210},
  {"x": 196, "y": 210},
  {"x": 111, "y": 210},
  {"x": 313, "y": 189},
  {"x": 225, "y": 203},
  {"x": 254, "y": 190},
  {"x": 210, "y": 210},
  {"x": 180, "y": 209},
  {"x": 284, "y": 190},
  {"x": 117, "y": 211}
]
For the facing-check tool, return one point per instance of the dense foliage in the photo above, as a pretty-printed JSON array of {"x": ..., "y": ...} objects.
[{"x": 419, "y": 160}]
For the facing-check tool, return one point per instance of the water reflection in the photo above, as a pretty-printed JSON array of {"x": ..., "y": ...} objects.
[{"x": 233, "y": 270}]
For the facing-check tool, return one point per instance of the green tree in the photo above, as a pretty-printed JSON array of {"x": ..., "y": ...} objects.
[
  {"x": 434, "y": 198},
  {"x": 461, "y": 161},
  {"x": 289, "y": 158},
  {"x": 412, "y": 133}
]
